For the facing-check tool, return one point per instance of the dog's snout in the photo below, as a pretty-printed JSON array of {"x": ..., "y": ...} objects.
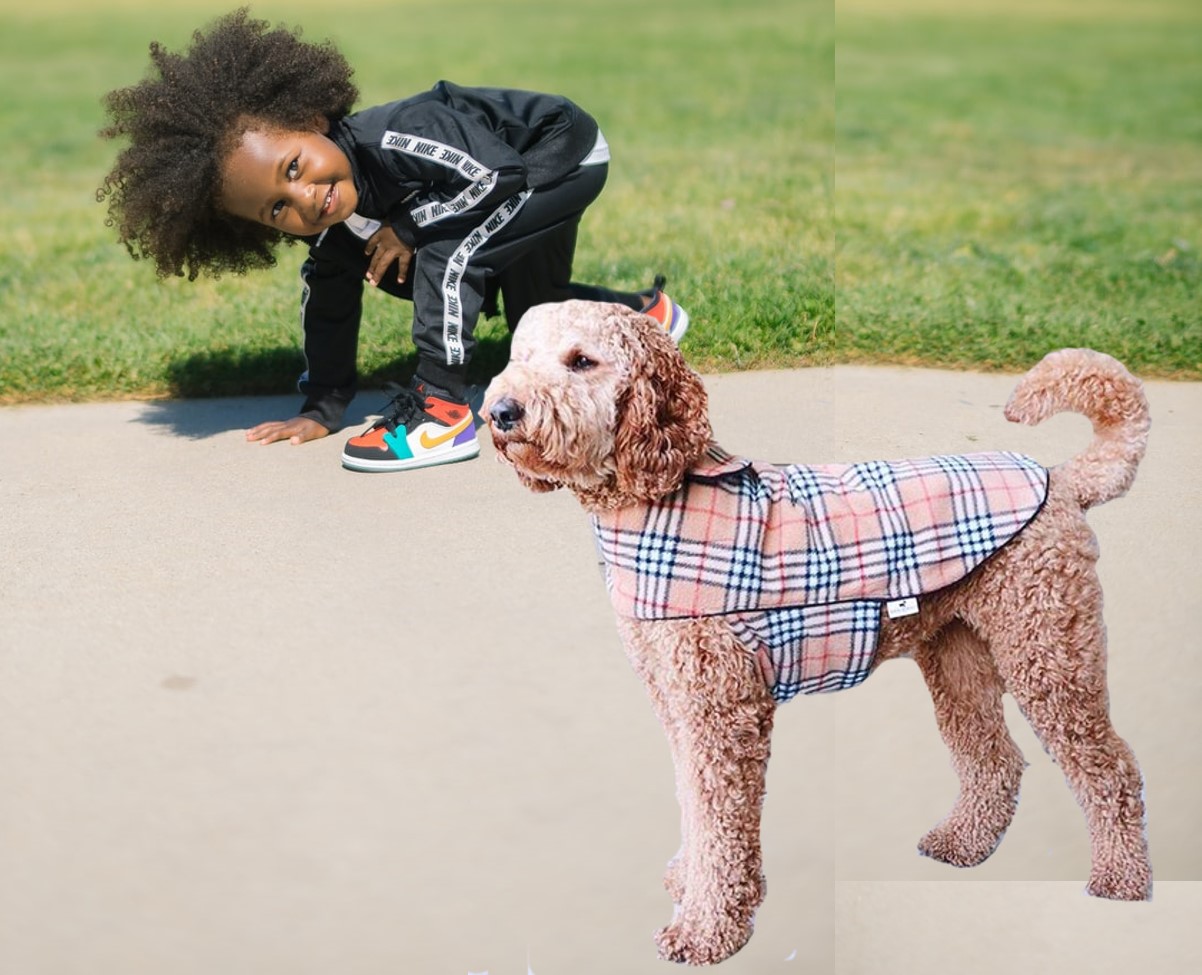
[{"x": 506, "y": 414}]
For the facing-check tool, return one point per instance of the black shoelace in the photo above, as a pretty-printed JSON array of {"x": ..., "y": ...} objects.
[{"x": 406, "y": 403}]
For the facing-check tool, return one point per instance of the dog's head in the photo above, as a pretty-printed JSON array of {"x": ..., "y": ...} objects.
[{"x": 596, "y": 398}]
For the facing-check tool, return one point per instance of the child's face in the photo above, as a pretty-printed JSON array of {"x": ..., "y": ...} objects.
[{"x": 298, "y": 182}]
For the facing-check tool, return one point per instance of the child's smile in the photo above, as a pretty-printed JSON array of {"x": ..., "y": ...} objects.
[{"x": 298, "y": 182}]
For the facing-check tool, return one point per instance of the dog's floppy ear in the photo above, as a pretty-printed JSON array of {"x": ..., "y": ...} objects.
[{"x": 662, "y": 426}]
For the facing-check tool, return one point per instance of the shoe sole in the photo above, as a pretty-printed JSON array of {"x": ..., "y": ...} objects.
[
  {"x": 681, "y": 326},
  {"x": 453, "y": 456}
]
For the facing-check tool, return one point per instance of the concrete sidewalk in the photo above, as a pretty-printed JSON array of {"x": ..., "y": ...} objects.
[{"x": 262, "y": 715}]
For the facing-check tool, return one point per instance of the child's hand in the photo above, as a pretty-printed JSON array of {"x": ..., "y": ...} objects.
[
  {"x": 298, "y": 430},
  {"x": 384, "y": 247}
]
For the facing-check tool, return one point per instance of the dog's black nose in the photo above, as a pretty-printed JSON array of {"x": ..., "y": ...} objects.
[{"x": 506, "y": 413}]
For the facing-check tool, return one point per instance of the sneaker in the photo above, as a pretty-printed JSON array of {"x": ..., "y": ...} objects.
[
  {"x": 673, "y": 318},
  {"x": 416, "y": 430}
]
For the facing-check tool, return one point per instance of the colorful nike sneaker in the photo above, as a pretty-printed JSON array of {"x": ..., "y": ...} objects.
[
  {"x": 416, "y": 430},
  {"x": 673, "y": 318}
]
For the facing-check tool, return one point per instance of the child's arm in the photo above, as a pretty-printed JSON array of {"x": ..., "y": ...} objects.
[
  {"x": 384, "y": 247},
  {"x": 298, "y": 430},
  {"x": 449, "y": 170},
  {"x": 331, "y": 304}
]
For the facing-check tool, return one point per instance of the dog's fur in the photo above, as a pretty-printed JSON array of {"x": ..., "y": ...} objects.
[{"x": 598, "y": 400}]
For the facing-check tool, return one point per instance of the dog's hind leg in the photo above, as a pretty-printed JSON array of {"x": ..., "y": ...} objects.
[
  {"x": 718, "y": 716},
  {"x": 1074, "y": 725},
  {"x": 1049, "y": 645},
  {"x": 967, "y": 694}
]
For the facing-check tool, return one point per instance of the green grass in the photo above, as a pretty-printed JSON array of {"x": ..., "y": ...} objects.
[
  {"x": 1016, "y": 178},
  {"x": 920, "y": 181},
  {"x": 711, "y": 183}
]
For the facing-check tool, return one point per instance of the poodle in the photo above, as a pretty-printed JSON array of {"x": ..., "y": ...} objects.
[{"x": 738, "y": 584}]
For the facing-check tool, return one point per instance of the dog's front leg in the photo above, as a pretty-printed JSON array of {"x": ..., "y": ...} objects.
[
  {"x": 717, "y": 714},
  {"x": 647, "y": 658}
]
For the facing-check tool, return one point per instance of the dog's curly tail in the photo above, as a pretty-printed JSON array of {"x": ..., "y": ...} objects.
[{"x": 1099, "y": 387}]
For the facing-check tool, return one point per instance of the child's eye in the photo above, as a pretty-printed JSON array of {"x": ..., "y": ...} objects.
[
  {"x": 293, "y": 167},
  {"x": 277, "y": 209}
]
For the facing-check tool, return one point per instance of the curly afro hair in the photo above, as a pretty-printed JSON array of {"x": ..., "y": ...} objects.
[{"x": 187, "y": 115}]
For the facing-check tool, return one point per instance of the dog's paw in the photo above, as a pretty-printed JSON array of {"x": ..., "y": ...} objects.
[
  {"x": 958, "y": 845},
  {"x": 701, "y": 943},
  {"x": 1132, "y": 884}
]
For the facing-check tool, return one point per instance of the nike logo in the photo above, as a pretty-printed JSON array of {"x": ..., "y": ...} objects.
[{"x": 430, "y": 442}]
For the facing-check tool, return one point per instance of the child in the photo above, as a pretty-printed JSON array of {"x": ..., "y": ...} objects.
[{"x": 444, "y": 199}]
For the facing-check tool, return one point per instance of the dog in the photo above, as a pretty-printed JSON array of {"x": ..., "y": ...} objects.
[{"x": 596, "y": 399}]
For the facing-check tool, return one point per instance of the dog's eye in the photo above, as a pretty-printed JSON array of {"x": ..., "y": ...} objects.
[{"x": 579, "y": 362}]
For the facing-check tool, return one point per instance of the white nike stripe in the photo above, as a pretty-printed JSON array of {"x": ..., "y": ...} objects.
[
  {"x": 452, "y": 305},
  {"x": 480, "y": 178}
]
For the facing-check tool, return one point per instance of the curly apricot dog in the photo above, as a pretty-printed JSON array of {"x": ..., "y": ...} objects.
[{"x": 739, "y": 584}]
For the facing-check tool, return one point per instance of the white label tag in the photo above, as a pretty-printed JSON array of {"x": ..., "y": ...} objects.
[
  {"x": 897, "y": 608},
  {"x": 361, "y": 226}
]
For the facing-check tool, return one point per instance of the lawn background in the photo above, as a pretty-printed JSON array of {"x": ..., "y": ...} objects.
[
  {"x": 720, "y": 116},
  {"x": 1014, "y": 176},
  {"x": 963, "y": 184}
]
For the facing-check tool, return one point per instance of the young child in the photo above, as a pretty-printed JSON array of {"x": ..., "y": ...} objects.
[{"x": 444, "y": 199}]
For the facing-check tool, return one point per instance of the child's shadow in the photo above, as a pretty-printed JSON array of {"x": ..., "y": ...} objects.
[{"x": 216, "y": 391}]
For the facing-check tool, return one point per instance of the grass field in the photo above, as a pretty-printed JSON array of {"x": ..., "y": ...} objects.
[
  {"x": 959, "y": 184},
  {"x": 1017, "y": 176},
  {"x": 720, "y": 116}
]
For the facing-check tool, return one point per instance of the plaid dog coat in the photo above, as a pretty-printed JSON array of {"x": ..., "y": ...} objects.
[{"x": 802, "y": 558}]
